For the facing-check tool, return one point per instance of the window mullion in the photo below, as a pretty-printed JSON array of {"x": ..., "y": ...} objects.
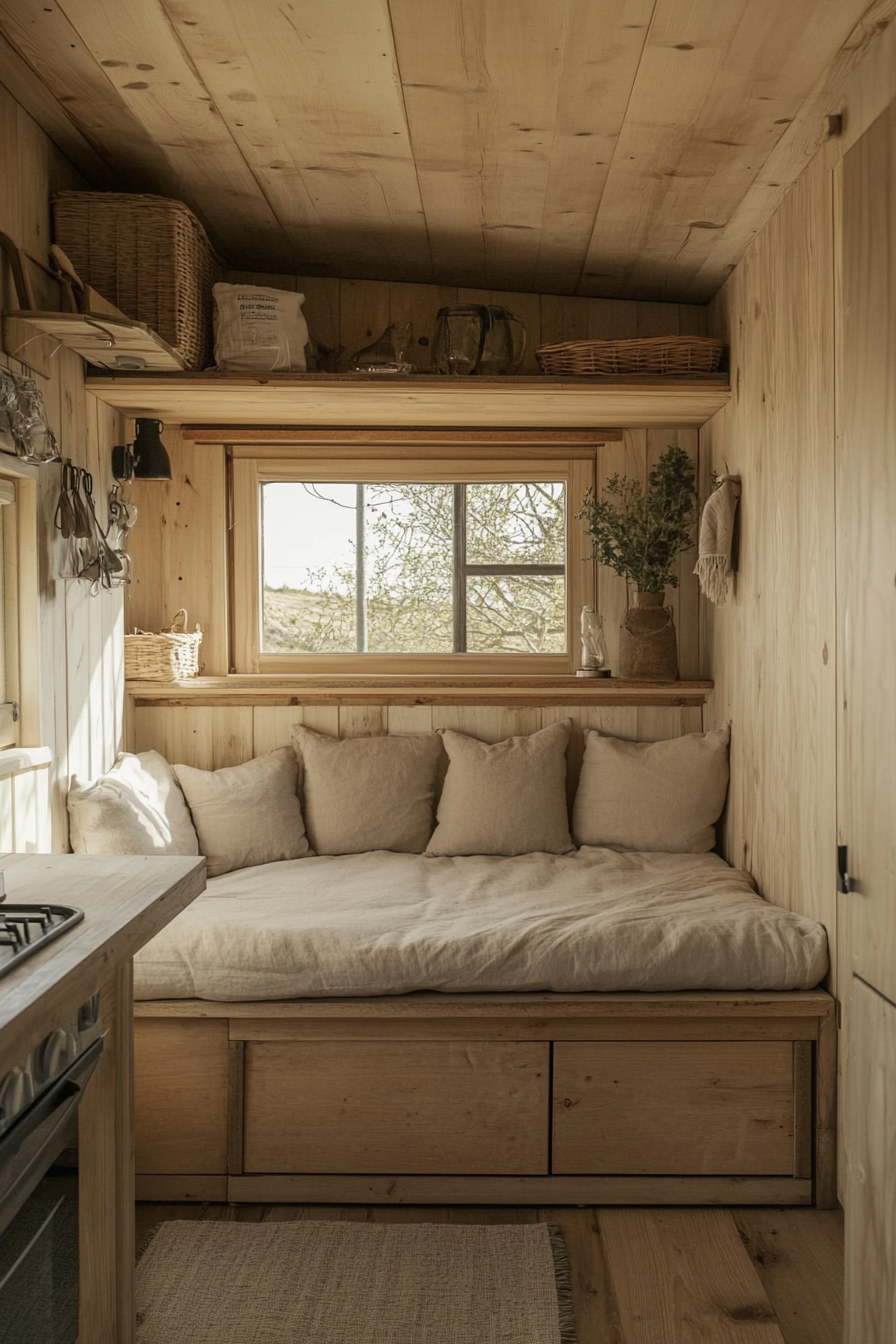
[{"x": 460, "y": 568}]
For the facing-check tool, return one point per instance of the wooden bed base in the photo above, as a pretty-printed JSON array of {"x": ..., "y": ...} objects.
[{"x": 697, "y": 1098}]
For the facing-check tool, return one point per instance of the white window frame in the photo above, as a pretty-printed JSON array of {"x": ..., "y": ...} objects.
[
  {"x": 20, "y": 726},
  {"x": 251, "y": 467}
]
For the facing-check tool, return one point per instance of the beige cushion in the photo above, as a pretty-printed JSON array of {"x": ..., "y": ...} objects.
[
  {"x": 367, "y": 793},
  {"x": 137, "y": 808},
  {"x": 505, "y": 798},
  {"x": 654, "y": 796},
  {"x": 246, "y": 814}
]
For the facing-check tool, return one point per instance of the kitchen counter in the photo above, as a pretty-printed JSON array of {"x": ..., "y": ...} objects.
[{"x": 126, "y": 900}]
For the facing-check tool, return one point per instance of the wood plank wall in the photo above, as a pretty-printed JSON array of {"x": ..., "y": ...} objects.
[
  {"x": 352, "y": 313},
  {"x": 80, "y": 636},
  {"x": 773, "y": 648}
]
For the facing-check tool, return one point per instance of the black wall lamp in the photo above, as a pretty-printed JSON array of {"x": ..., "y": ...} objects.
[{"x": 146, "y": 459}]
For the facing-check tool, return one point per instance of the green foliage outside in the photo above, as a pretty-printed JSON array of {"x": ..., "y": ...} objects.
[
  {"x": 640, "y": 535},
  {"x": 409, "y": 576}
]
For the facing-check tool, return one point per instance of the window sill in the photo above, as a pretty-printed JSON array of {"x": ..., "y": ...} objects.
[
  {"x": 13, "y": 760},
  {"x": 410, "y": 690}
]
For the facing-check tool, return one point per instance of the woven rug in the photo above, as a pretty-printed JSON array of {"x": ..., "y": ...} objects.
[{"x": 353, "y": 1283}]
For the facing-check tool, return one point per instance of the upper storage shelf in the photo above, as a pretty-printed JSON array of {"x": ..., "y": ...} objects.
[{"x": 419, "y": 400}]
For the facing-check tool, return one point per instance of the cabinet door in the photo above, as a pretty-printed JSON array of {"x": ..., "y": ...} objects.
[
  {"x": 871, "y": 1163},
  {"x": 866, "y": 552},
  {"x": 402, "y": 1107},
  {"x": 695, "y": 1108}
]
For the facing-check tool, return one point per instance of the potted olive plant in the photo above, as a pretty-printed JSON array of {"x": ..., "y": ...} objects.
[{"x": 640, "y": 534}]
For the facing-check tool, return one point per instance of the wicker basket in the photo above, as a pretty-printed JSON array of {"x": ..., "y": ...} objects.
[
  {"x": 655, "y": 354},
  {"x": 149, "y": 256},
  {"x": 171, "y": 656}
]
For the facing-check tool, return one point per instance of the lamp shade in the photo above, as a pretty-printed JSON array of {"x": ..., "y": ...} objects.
[{"x": 150, "y": 455}]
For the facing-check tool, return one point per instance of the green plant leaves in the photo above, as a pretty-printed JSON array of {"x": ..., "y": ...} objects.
[{"x": 640, "y": 534}]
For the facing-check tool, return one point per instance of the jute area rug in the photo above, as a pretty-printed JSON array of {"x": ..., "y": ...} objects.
[{"x": 353, "y": 1283}]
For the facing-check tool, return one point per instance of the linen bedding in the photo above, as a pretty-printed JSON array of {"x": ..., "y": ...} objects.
[{"x": 386, "y": 923}]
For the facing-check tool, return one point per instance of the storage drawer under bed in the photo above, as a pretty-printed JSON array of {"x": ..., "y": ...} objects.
[{"x": 280, "y": 1097}]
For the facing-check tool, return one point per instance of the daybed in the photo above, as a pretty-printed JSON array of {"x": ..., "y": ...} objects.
[{"x": 570, "y": 1025}]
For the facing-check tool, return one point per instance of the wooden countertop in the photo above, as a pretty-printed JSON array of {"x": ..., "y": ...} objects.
[{"x": 126, "y": 901}]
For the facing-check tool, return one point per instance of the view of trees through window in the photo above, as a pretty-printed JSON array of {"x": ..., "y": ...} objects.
[{"x": 414, "y": 567}]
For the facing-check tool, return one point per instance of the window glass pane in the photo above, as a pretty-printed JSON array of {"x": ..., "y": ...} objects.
[
  {"x": 312, "y": 601},
  {"x": 308, "y": 568},
  {"x": 516, "y": 613},
  {"x": 516, "y": 523},
  {"x": 409, "y": 567}
]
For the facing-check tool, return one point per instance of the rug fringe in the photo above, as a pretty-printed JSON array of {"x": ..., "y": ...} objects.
[{"x": 563, "y": 1279}]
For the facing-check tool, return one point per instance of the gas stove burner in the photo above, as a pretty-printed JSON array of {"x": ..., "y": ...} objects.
[{"x": 27, "y": 928}]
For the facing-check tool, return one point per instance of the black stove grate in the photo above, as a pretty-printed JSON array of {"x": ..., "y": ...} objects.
[{"x": 25, "y": 929}]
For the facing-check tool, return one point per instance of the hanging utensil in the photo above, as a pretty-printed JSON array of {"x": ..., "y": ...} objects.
[{"x": 64, "y": 517}]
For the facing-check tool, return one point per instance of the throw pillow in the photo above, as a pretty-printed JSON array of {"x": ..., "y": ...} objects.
[
  {"x": 652, "y": 796},
  {"x": 246, "y": 814},
  {"x": 137, "y": 808},
  {"x": 367, "y": 793},
  {"x": 505, "y": 797}
]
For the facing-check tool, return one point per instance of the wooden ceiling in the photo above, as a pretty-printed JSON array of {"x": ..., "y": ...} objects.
[{"x": 623, "y": 148}]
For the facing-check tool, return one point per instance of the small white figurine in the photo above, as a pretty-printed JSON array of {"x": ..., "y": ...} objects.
[{"x": 594, "y": 648}]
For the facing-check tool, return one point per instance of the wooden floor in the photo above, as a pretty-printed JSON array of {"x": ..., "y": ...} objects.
[{"x": 649, "y": 1276}]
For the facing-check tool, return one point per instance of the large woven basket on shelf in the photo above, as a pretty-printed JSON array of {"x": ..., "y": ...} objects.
[
  {"x": 654, "y": 354},
  {"x": 172, "y": 655},
  {"x": 148, "y": 255}
]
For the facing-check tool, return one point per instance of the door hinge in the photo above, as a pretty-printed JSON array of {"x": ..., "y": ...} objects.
[
  {"x": 13, "y": 708},
  {"x": 843, "y": 884}
]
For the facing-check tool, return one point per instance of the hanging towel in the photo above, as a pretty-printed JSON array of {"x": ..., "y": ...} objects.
[{"x": 716, "y": 536}]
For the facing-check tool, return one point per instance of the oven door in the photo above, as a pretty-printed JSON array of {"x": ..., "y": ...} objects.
[{"x": 39, "y": 1216}]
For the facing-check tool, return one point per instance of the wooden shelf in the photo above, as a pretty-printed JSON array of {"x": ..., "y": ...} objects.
[
  {"x": 421, "y": 399},
  {"x": 101, "y": 339},
  {"x": 398, "y": 690}
]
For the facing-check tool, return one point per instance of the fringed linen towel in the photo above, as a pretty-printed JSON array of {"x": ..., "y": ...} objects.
[{"x": 716, "y": 537}]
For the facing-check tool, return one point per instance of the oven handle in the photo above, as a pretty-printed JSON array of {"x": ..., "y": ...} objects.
[{"x": 56, "y": 1104}]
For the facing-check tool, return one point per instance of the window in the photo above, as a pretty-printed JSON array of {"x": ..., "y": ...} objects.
[{"x": 433, "y": 565}]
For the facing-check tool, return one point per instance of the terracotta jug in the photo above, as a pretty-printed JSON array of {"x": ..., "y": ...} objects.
[{"x": 648, "y": 650}]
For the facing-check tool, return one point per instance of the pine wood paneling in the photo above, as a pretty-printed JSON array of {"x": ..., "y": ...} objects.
[
  {"x": 772, "y": 646},
  {"x": 76, "y": 658},
  {"x": 628, "y": 148}
]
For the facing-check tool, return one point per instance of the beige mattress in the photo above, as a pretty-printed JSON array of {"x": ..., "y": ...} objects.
[{"x": 393, "y": 923}]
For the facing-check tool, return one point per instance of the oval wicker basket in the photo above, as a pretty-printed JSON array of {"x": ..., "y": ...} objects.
[
  {"x": 653, "y": 354},
  {"x": 172, "y": 655}
]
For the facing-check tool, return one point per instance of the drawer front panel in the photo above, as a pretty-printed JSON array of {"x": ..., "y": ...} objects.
[
  {"x": 674, "y": 1108},
  {"x": 180, "y": 1094},
  {"x": 401, "y": 1107}
]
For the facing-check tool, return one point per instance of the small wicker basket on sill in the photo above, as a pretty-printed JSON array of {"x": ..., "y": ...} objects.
[
  {"x": 172, "y": 655},
  {"x": 654, "y": 354}
]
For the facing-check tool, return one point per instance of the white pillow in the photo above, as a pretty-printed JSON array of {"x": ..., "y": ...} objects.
[
  {"x": 660, "y": 797},
  {"x": 505, "y": 797},
  {"x": 137, "y": 808},
  {"x": 247, "y": 814}
]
